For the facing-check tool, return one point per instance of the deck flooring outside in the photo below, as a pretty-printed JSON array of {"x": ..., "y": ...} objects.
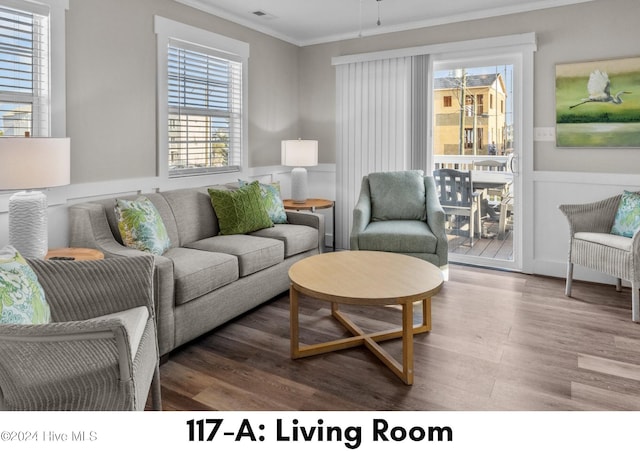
[{"x": 490, "y": 246}]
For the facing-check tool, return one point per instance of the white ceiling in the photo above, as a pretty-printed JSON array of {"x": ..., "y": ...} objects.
[{"x": 305, "y": 22}]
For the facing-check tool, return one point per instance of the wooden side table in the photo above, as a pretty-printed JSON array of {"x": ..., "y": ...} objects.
[
  {"x": 312, "y": 204},
  {"x": 76, "y": 253}
]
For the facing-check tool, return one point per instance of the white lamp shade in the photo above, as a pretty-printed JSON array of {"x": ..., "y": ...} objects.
[
  {"x": 300, "y": 153},
  {"x": 34, "y": 163}
]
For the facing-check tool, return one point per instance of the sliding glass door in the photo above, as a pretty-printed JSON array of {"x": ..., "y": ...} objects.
[{"x": 474, "y": 118}]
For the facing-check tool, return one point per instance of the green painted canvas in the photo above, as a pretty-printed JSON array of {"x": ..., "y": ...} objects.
[
  {"x": 627, "y": 220},
  {"x": 22, "y": 300},
  {"x": 141, "y": 226},
  {"x": 272, "y": 201},
  {"x": 241, "y": 210}
]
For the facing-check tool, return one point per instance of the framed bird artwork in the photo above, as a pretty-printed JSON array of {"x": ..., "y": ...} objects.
[{"x": 598, "y": 104}]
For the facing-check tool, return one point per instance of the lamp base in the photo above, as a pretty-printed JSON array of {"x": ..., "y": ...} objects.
[
  {"x": 28, "y": 223},
  {"x": 299, "y": 192}
]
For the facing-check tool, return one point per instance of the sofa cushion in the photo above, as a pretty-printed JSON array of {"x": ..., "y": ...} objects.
[
  {"x": 241, "y": 210},
  {"x": 253, "y": 253},
  {"x": 398, "y": 236},
  {"x": 194, "y": 215},
  {"x": 296, "y": 238},
  {"x": 141, "y": 226},
  {"x": 197, "y": 273},
  {"x": 397, "y": 195},
  {"x": 22, "y": 299}
]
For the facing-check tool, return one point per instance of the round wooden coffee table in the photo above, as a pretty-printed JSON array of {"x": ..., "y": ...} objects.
[{"x": 366, "y": 278}]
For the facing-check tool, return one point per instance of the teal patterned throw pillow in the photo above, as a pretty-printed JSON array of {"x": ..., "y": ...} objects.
[
  {"x": 627, "y": 220},
  {"x": 141, "y": 226},
  {"x": 22, "y": 299},
  {"x": 241, "y": 210},
  {"x": 272, "y": 201}
]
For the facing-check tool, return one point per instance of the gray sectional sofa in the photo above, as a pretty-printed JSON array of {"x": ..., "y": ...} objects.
[{"x": 204, "y": 279}]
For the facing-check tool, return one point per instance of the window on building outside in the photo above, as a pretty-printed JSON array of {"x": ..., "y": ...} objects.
[
  {"x": 447, "y": 101},
  {"x": 24, "y": 72}
]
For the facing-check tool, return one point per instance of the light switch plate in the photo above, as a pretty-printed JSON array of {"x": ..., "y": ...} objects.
[{"x": 544, "y": 134}]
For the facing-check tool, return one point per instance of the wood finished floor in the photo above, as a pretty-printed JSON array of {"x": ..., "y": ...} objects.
[{"x": 500, "y": 341}]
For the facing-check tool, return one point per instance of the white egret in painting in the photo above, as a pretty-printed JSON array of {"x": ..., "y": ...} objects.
[{"x": 599, "y": 90}]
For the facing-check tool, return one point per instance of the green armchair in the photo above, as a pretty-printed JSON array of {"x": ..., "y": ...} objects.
[{"x": 399, "y": 211}]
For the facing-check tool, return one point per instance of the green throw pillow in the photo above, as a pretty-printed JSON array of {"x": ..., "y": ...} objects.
[
  {"x": 627, "y": 220},
  {"x": 141, "y": 226},
  {"x": 22, "y": 299},
  {"x": 272, "y": 201},
  {"x": 241, "y": 210}
]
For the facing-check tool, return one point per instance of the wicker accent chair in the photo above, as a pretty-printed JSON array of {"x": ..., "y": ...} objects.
[
  {"x": 100, "y": 351},
  {"x": 593, "y": 246}
]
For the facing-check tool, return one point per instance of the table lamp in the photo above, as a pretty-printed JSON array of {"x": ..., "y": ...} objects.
[
  {"x": 27, "y": 164},
  {"x": 299, "y": 154}
]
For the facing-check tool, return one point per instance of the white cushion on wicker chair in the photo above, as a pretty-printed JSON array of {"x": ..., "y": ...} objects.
[{"x": 615, "y": 241}]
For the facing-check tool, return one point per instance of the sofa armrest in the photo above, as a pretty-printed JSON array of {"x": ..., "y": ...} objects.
[
  {"x": 89, "y": 228},
  {"x": 314, "y": 220}
]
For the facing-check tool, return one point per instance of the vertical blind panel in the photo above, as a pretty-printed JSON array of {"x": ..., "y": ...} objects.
[
  {"x": 24, "y": 73},
  {"x": 205, "y": 110},
  {"x": 373, "y": 129},
  {"x": 419, "y": 113}
]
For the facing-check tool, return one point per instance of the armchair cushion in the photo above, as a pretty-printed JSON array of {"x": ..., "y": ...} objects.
[
  {"x": 627, "y": 220},
  {"x": 22, "y": 300},
  {"x": 398, "y": 236},
  {"x": 397, "y": 196},
  {"x": 606, "y": 239}
]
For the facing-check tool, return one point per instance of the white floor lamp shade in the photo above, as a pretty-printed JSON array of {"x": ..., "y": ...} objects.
[
  {"x": 299, "y": 154},
  {"x": 32, "y": 163}
]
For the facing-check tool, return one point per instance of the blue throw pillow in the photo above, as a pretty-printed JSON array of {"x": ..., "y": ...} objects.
[{"x": 627, "y": 220}]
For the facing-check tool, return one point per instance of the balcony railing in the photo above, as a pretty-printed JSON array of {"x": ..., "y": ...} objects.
[{"x": 465, "y": 162}]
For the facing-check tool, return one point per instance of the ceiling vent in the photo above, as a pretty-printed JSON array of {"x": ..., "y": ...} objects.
[{"x": 262, "y": 14}]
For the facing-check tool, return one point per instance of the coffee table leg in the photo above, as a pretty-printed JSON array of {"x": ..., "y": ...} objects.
[
  {"x": 293, "y": 319},
  {"x": 407, "y": 342},
  {"x": 426, "y": 314}
]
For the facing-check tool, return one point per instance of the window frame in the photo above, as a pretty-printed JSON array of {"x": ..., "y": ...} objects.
[
  {"x": 169, "y": 31},
  {"x": 55, "y": 10}
]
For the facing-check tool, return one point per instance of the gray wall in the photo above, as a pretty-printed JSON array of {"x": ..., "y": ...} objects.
[
  {"x": 601, "y": 29},
  {"x": 111, "y": 87},
  {"x": 111, "y": 80}
]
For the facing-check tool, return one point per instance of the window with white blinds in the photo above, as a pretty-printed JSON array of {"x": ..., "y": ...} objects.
[
  {"x": 204, "y": 110},
  {"x": 24, "y": 71}
]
